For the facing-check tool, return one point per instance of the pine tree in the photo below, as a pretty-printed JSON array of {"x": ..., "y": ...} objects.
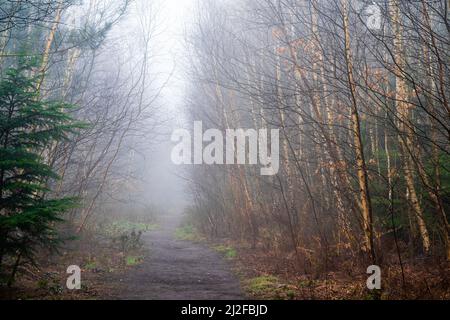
[{"x": 28, "y": 126}]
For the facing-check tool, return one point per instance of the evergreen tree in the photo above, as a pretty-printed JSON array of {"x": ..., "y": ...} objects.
[{"x": 28, "y": 127}]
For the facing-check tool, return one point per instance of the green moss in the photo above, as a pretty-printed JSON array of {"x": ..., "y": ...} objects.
[
  {"x": 124, "y": 226},
  {"x": 90, "y": 265},
  {"x": 42, "y": 284},
  {"x": 133, "y": 260},
  {"x": 290, "y": 294},
  {"x": 261, "y": 284},
  {"x": 227, "y": 251},
  {"x": 269, "y": 287},
  {"x": 188, "y": 232}
]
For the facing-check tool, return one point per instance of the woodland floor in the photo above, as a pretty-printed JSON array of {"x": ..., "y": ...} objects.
[
  {"x": 166, "y": 267},
  {"x": 175, "y": 262}
]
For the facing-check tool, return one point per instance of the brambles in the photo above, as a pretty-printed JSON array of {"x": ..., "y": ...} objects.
[{"x": 129, "y": 241}]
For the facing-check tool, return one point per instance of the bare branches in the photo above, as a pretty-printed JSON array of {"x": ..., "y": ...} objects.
[{"x": 360, "y": 106}]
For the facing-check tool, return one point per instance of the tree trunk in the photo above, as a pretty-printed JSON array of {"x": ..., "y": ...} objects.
[
  {"x": 366, "y": 205},
  {"x": 406, "y": 132}
]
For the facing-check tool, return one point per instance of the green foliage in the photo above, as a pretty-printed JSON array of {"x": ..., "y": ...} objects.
[
  {"x": 269, "y": 287},
  {"x": 263, "y": 286},
  {"x": 119, "y": 227},
  {"x": 50, "y": 285},
  {"x": 133, "y": 260},
  {"x": 263, "y": 283},
  {"x": 29, "y": 126},
  {"x": 188, "y": 232},
  {"x": 91, "y": 265},
  {"x": 227, "y": 251}
]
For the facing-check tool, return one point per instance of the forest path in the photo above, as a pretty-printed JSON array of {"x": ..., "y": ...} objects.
[{"x": 178, "y": 269}]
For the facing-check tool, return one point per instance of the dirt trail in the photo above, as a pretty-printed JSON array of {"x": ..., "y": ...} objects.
[{"x": 176, "y": 269}]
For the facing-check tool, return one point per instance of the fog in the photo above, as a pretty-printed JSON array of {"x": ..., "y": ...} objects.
[
  {"x": 160, "y": 183},
  {"x": 164, "y": 184},
  {"x": 316, "y": 149}
]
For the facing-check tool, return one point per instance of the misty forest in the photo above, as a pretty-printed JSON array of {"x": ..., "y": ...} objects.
[{"x": 91, "y": 92}]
